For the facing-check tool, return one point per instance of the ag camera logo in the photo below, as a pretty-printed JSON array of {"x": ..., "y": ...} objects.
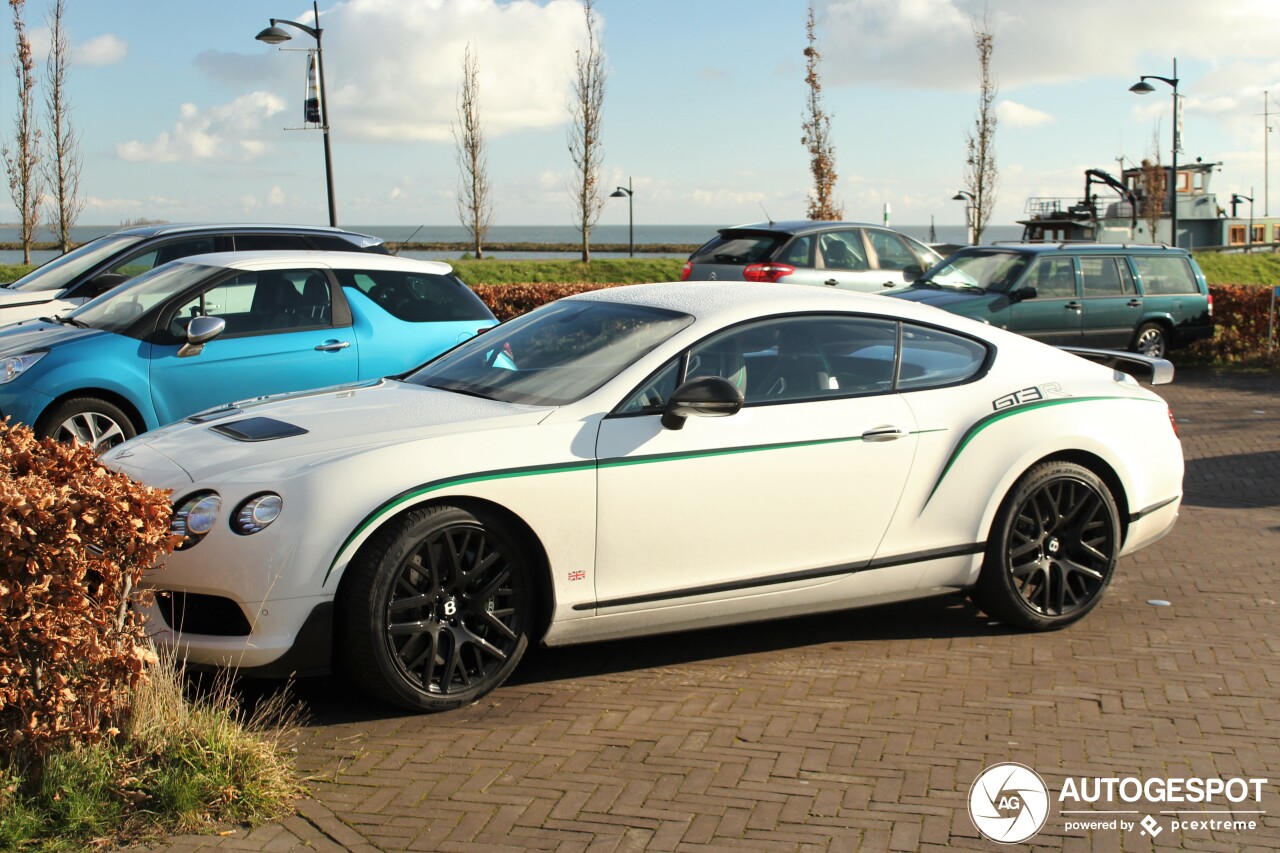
[{"x": 1008, "y": 803}]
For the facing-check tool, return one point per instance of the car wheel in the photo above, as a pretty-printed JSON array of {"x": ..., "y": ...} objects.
[
  {"x": 88, "y": 420},
  {"x": 436, "y": 610},
  {"x": 1151, "y": 340},
  {"x": 1052, "y": 549}
]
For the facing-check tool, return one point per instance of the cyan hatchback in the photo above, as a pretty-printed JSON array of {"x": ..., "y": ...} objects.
[{"x": 210, "y": 329}]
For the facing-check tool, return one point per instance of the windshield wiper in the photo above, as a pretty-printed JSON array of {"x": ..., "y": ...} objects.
[{"x": 69, "y": 321}]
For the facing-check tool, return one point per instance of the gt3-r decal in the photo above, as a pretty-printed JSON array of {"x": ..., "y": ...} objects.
[{"x": 1029, "y": 395}]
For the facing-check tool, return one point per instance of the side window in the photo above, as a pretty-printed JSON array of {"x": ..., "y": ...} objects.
[
  {"x": 1105, "y": 276},
  {"x": 842, "y": 250},
  {"x": 932, "y": 358},
  {"x": 653, "y": 395},
  {"x": 417, "y": 297},
  {"x": 890, "y": 250},
  {"x": 799, "y": 253},
  {"x": 1054, "y": 278},
  {"x": 1165, "y": 275},
  {"x": 258, "y": 302},
  {"x": 269, "y": 242},
  {"x": 154, "y": 257},
  {"x": 925, "y": 256}
]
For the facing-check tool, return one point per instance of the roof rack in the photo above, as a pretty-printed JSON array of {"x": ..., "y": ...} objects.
[{"x": 1062, "y": 244}]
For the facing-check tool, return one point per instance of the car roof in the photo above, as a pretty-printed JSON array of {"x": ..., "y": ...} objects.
[
  {"x": 298, "y": 259},
  {"x": 1082, "y": 248},
  {"x": 733, "y": 301},
  {"x": 801, "y": 226},
  {"x": 169, "y": 228}
]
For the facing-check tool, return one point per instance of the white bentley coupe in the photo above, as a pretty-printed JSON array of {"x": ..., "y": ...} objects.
[{"x": 650, "y": 459}]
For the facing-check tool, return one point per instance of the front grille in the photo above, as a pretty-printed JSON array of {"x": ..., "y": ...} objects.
[{"x": 194, "y": 613}]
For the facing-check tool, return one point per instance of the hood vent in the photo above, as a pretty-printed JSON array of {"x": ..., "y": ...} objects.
[{"x": 258, "y": 429}]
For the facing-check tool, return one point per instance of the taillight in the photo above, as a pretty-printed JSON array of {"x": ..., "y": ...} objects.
[
  {"x": 1173, "y": 422},
  {"x": 1210, "y": 304},
  {"x": 686, "y": 271},
  {"x": 766, "y": 272}
]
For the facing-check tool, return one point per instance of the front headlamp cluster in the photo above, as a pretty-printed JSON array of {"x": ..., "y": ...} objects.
[
  {"x": 13, "y": 366},
  {"x": 196, "y": 514}
]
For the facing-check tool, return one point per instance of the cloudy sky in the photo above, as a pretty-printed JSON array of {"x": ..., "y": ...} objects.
[{"x": 185, "y": 117}]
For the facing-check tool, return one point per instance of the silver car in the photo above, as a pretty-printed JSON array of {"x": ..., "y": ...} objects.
[{"x": 848, "y": 255}]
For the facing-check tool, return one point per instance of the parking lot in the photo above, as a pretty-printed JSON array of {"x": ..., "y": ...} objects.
[{"x": 862, "y": 730}]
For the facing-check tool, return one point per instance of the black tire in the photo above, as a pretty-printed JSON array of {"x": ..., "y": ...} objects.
[
  {"x": 436, "y": 609},
  {"x": 89, "y": 420},
  {"x": 1052, "y": 549},
  {"x": 1151, "y": 340}
]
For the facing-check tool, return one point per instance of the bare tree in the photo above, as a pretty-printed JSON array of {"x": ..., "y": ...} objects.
[
  {"x": 61, "y": 165},
  {"x": 475, "y": 206},
  {"x": 584, "y": 131},
  {"x": 980, "y": 175},
  {"x": 1154, "y": 185},
  {"x": 22, "y": 158},
  {"x": 817, "y": 136}
]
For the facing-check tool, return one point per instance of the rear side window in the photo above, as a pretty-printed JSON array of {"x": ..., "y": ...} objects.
[
  {"x": 738, "y": 247},
  {"x": 417, "y": 297},
  {"x": 270, "y": 242},
  {"x": 1106, "y": 277},
  {"x": 1165, "y": 275},
  {"x": 932, "y": 358}
]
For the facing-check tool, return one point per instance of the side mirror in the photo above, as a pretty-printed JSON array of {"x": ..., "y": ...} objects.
[
  {"x": 200, "y": 331},
  {"x": 103, "y": 283},
  {"x": 706, "y": 396},
  {"x": 1022, "y": 294},
  {"x": 911, "y": 272}
]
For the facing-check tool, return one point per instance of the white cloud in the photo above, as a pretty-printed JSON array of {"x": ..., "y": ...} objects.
[
  {"x": 392, "y": 69},
  {"x": 1014, "y": 114},
  {"x": 929, "y": 43},
  {"x": 233, "y": 131},
  {"x": 105, "y": 49}
]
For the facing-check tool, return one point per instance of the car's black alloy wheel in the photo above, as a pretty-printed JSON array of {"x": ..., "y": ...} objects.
[
  {"x": 1052, "y": 549},
  {"x": 1150, "y": 341},
  {"x": 436, "y": 609}
]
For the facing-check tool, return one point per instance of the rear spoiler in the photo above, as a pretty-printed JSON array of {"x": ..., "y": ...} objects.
[{"x": 1161, "y": 370}]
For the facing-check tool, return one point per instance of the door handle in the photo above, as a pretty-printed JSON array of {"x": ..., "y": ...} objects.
[
  {"x": 1134, "y": 303},
  {"x": 883, "y": 433},
  {"x": 333, "y": 346},
  {"x": 1074, "y": 306},
  {"x": 831, "y": 282}
]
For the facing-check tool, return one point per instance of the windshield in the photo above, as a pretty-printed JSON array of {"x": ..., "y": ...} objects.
[
  {"x": 552, "y": 355},
  {"x": 115, "y": 310},
  {"x": 739, "y": 247},
  {"x": 58, "y": 273},
  {"x": 993, "y": 271}
]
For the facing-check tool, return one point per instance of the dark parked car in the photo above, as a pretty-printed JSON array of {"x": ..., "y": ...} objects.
[
  {"x": 848, "y": 255},
  {"x": 1146, "y": 298},
  {"x": 99, "y": 265}
]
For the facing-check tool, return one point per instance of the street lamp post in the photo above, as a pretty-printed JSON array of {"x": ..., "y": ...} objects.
[
  {"x": 274, "y": 35},
  {"x": 628, "y": 193},
  {"x": 1142, "y": 87},
  {"x": 968, "y": 199},
  {"x": 1236, "y": 198}
]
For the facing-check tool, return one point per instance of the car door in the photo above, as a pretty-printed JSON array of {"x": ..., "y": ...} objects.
[
  {"x": 1112, "y": 306},
  {"x": 893, "y": 256},
  {"x": 840, "y": 259},
  {"x": 797, "y": 487},
  {"x": 1055, "y": 314},
  {"x": 279, "y": 337}
]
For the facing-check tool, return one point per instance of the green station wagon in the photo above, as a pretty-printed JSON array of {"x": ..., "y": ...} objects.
[{"x": 1146, "y": 298}]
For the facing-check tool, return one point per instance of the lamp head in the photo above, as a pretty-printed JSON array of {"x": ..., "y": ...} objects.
[
  {"x": 620, "y": 192},
  {"x": 1142, "y": 87},
  {"x": 273, "y": 35}
]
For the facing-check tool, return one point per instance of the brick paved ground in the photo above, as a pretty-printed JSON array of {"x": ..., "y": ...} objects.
[{"x": 854, "y": 731}]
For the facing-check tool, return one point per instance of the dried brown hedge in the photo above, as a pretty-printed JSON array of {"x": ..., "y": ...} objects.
[
  {"x": 74, "y": 539},
  {"x": 1241, "y": 315},
  {"x": 512, "y": 300}
]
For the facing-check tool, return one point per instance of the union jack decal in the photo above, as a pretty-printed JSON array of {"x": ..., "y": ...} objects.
[{"x": 578, "y": 575}]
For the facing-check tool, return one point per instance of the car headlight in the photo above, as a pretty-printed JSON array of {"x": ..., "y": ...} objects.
[
  {"x": 193, "y": 517},
  {"x": 255, "y": 514},
  {"x": 13, "y": 366}
]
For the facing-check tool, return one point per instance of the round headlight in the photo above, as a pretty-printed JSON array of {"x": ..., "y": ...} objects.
[
  {"x": 256, "y": 513},
  {"x": 194, "y": 516}
]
